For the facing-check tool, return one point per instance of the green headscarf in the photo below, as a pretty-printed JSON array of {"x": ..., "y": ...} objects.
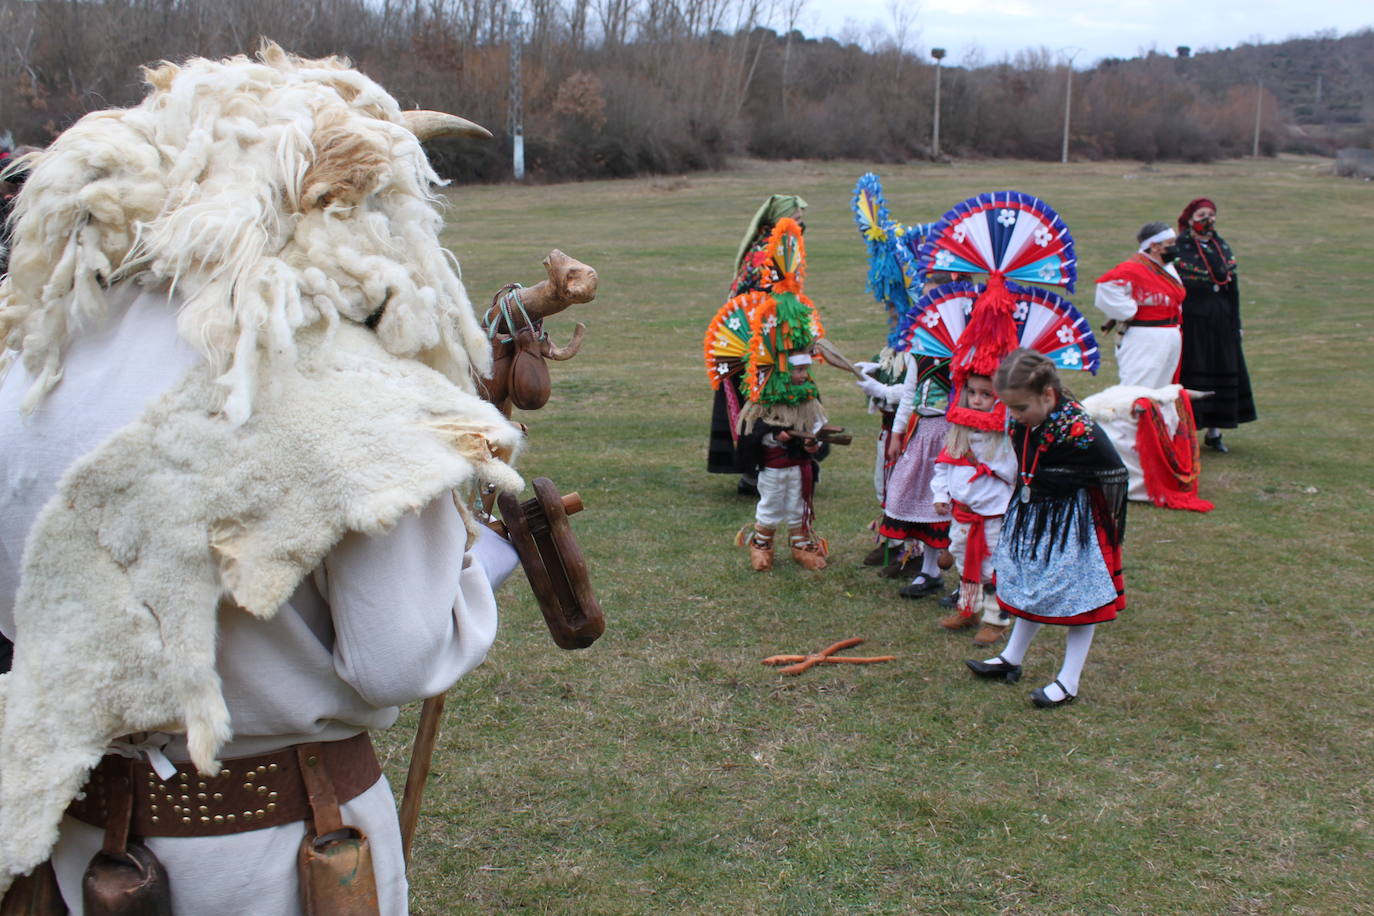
[{"x": 776, "y": 207}]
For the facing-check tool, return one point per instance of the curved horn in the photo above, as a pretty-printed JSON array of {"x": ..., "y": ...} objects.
[
  {"x": 561, "y": 353},
  {"x": 427, "y": 125}
]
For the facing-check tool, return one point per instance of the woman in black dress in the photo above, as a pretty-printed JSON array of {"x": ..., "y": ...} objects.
[{"x": 1212, "y": 356}]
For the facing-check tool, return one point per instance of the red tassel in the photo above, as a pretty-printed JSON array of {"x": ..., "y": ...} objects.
[{"x": 990, "y": 334}]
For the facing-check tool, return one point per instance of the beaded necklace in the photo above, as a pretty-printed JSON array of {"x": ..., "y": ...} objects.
[
  {"x": 1207, "y": 265},
  {"x": 1027, "y": 477}
]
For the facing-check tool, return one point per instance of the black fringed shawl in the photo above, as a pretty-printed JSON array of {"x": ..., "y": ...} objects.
[{"x": 1070, "y": 454}]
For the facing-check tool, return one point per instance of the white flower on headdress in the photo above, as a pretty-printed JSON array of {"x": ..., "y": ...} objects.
[
  {"x": 1043, "y": 236},
  {"x": 1049, "y": 272},
  {"x": 1006, "y": 217},
  {"x": 931, "y": 318},
  {"x": 1022, "y": 311},
  {"x": 1066, "y": 334},
  {"x": 960, "y": 232},
  {"x": 734, "y": 323},
  {"x": 722, "y": 369},
  {"x": 770, "y": 322},
  {"x": 943, "y": 258},
  {"x": 1071, "y": 358}
]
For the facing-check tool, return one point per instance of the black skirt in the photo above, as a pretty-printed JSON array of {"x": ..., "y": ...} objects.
[
  {"x": 1213, "y": 359},
  {"x": 720, "y": 451}
]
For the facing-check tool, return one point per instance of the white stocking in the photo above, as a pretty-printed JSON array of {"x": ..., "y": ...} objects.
[
  {"x": 1076, "y": 645},
  {"x": 930, "y": 561},
  {"x": 1019, "y": 640}
]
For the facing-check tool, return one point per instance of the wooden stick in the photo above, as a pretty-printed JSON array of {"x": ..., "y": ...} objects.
[{"x": 421, "y": 757}]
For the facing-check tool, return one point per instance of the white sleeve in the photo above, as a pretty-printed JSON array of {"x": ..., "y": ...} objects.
[
  {"x": 1114, "y": 300},
  {"x": 906, "y": 397},
  {"x": 412, "y": 613},
  {"x": 1002, "y": 461},
  {"x": 939, "y": 483}
]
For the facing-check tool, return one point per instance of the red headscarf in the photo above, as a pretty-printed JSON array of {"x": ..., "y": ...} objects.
[{"x": 1193, "y": 206}]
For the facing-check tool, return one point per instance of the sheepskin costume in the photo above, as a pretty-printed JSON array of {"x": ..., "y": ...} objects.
[
  {"x": 288, "y": 211},
  {"x": 1114, "y": 410}
]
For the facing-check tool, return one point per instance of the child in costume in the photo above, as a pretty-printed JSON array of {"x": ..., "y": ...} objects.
[
  {"x": 918, "y": 434},
  {"x": 778, "y": 426},
  {"x": 1059, "y": 558},
  {"x": 893, "y": 283},
  {"x": 968, "y": 328},
  {"x": 754, "y": 273},
  {"x": 973, "y": 480}
]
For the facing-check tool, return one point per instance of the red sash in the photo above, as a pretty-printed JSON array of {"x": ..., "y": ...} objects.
[
  {"x": 1158, "y": 296},
  {"x": 1170, "y": 465}
]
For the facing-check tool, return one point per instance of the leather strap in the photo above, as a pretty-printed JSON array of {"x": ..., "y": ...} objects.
[
  {"x": 121, "y": 810},
  {"x": 248, "y": 793},
  {"x": 319, "y": 790}
]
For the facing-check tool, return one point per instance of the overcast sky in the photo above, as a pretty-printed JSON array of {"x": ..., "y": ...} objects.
[{"x": 1093, "y": 28}]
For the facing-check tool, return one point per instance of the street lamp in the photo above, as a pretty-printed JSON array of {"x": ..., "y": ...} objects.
[
  {"x": 939, "y": 55},
  {"x": 1068, "y": 102}
]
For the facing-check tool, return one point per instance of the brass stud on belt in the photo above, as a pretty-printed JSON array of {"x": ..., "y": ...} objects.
[
  {"x": 248, "y": 787},
  {"x": 272, "y": 796},
  {"x": 204, "y": 819},
  {"x": 201, "y": 796},
  {"x": 230, "y": 818},
  {"x": 262, "y": 790},
  {"x": 219, "y": 796},
  {"x": 204, "y": 809},
  {"x": 186, "y": 798},
  {"x": 259, "y": 813},
  {"x": 272, "y": 768},
  {"x": 311, "y": 760},
  {"x": 186, "y": 820},
  {"x": 271, "y": 806},
  {"x": 225, "y": 774},
  {"x": 219, "y": 818},
  {"x": 154, "y": 818},
  {"x": 200, "y": 785}
]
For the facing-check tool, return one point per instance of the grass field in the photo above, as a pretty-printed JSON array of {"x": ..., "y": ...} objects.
[{"x": 1219, "y": 758}]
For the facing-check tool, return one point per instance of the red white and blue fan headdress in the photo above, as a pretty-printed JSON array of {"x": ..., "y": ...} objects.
[
  {"x": 1044, "y": 321},
  {"x": 1007, "y": 233},
  {"x": 1007, "y": 236}
]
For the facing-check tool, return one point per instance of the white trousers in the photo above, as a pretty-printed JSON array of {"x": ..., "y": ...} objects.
[
  {"x": 780, "y": 499},
  {"x": 958, "y": 544},
  {"x": 1149, "y": 356}
]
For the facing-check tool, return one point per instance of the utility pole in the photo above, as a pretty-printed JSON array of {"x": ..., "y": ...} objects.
[
  {"x": 939, "y": 55},
  {"x": 1068, "y": 104},
  {"x": 515, "y": 110},
  {"x": 1259, "y": 112}
]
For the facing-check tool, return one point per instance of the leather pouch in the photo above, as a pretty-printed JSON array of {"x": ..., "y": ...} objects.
[
  {"x": 34, "y": 894},
  {"x": 335, "y": 860},
  {"x": 529, "y": 376},
  {"x": 125, "y": 878}
]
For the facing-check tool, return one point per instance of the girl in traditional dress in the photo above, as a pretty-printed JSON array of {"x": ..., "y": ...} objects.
[
  {"x": 1212, "y": 356},
  {"x": 973, "y": 480},
  {"x": 1059, "y": 557}
]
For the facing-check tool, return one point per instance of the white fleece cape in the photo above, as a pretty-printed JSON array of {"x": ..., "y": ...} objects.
[
  {"x": 1114, "y": 410},
  {"x": 184, "y": 509}
]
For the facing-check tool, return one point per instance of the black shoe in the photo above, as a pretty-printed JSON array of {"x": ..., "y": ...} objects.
[
  {"x": 950, "y": 600},
  {"x": 999, "y": 667},
  {"x": 1039, "y": 698},
  {"x": 1215, "y": 444},
  {"x": 746, "y": 487},
  {"x": 921, "y": 586}
]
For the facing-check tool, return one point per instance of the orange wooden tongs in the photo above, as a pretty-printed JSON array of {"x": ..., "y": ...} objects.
[{"x": 796, "y": 664}]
